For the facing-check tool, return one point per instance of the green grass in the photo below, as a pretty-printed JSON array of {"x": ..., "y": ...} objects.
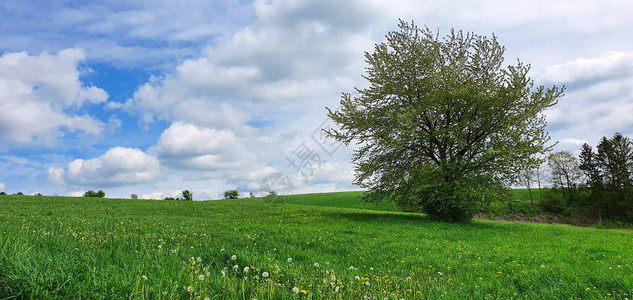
[
  {"x": 68, "y": 247},
  {"x": 341, "y": 199}
]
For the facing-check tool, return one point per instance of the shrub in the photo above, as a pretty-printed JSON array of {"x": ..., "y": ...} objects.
[
  {"x": 231, "y": 194},
  {"x": 134, "y": 196},
  {"x": 93, "y": 194},
  {"x": 3, "y": 193}
]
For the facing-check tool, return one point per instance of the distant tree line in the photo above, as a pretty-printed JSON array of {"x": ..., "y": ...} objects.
[{"x": 599, "y": 180}]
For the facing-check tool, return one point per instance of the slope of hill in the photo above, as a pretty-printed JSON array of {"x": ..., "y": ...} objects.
[{"x": 245, "y": 249}]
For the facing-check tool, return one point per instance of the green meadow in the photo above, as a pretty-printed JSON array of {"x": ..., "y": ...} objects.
[{"x": 318, "y": 246}]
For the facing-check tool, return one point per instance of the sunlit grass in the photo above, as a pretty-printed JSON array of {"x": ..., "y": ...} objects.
[{"x": 70, "y": 247}]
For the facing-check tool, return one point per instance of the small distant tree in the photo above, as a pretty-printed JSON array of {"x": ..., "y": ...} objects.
[
  {"x": 3, "y": 193},
  {"x": 134, "y": 196},
  {"x": 186, "y": 195},
  {"x": 250, "y": 195},
  {"x": 170, "y": 198},
  {"x": 19, "y": 193},
  {"x": 271, "y": 194},
  {"x": 566, "y": 172},
  {"x": 231, "y": 194}
]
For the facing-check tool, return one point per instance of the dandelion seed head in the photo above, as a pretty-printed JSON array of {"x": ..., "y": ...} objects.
[
  {"x": 265, "y": 274},
  {"x": 234, "y": 257},
  {"x": 295, "y": 290}
]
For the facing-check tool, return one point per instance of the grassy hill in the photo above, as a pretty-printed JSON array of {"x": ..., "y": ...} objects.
[{"x": 109, "y": 248}]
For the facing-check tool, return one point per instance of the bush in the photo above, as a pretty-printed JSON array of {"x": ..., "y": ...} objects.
[
  {"x": 134, "y": 196},
  {"x": 554, "y": 201},
  {"x": 93, "y": 194},
  {"x": 231, "y": 194},
  {"x": 3, "y": 193}
]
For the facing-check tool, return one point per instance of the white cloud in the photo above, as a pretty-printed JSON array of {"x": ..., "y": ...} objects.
[
  {"x": 2, "y": 186},
  {"x": 38, "y": 95},
  {"x": 216, "y": 153},
  {"x": 610, "y": 65},
  {"x": 118, "y": 166}
]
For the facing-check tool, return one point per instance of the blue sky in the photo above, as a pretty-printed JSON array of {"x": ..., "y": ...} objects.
[{"x": 154, "y": 97}]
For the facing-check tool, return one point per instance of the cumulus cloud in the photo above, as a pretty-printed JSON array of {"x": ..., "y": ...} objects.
[
  {"x": 38, "y": 95},
  {"x": 216, "y": 153},
  {"x": 598, "y": 99},
  {"x": 2, "y": 186},
  {"x": 118, "y": 166}
]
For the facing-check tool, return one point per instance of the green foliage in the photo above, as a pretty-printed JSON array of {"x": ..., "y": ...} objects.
[
  {"x": 56, "y": 247},
  {"x": 232, "y": 194},
  {"x": 170, "y": 198},
  {"x": 3, "y": 193},
  {"x": 186, "y": 196},
  {"x": 271, "y": 194},
  {"x": 609, "y": 175},
  {"x": 134, "y": 196},
  {"x": 441, "y": 121},
  {"x": 251, "y": 195},
  {"x": 554, "y": 200},
  {"x": 93, "y": 194}
]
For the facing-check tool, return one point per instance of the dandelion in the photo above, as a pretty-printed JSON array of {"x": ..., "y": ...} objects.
[
  {"x": 367, "y": 283},
  {"x": 160, "y": 246},
  {"x": 357, "y": 277},
  {"x": 201, "y": 277},
  {"x": 295, "y": 290},
  {"x": 316, "y": 264},
  {"x": 304, "y": 292},
  {"x": 199, "y": 259},
  {"x": 144, "y": 277},
  {"x": 337, "y": 288},
  {"x": 542, "y": 266},
  {"x": 76, "y": 249},
  {"x": 234, "y": 257},
  {"x": 223, "y": 273},
  {"x": 235, "y": 267},
  {"x": 189, "y": 289},
  {"x": 265, "y": 275},
  {"x": 289, "y": 259},
  {"x": 246, "y": 269}
]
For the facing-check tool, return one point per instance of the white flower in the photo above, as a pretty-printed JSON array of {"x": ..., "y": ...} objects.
[
  {"x": 542, "y": 266},
  {"x": 316, "y": 265},
  {"x": 201, "y": 277},
  {"x": 234, "y": 257},
  {"x": 222, "y": 250},
  {"x": 246, "y": 269},
  {"x": 189, "y": 289},
  {"x": 236, "y": 267},
  {"x": 357, "y": 277},
  {"x": 295, "y": 290},
  {"x": 207, "y": 298},
  {"x": 199, "y": 259},
  {"x": 160, "y": 246},
  {"x": 367, "y": 283},
  {"x": 144, "y": 277},
  {"x": 333, "y": 277},
  {"x": 289, "y": 259},
  {"x": 223, "y": 273},
  {"x": 337, "y": 288},
  {"x": 265, "y": 274}
]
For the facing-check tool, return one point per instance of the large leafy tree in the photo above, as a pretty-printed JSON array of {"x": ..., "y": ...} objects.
[{"x": 443, "y": 122}]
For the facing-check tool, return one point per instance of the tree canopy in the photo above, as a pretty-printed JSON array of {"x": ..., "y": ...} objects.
[{"x": 442, "y": 122}]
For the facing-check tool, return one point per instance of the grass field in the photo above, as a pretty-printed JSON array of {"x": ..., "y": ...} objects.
[{"x": 107, "y": 248}]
